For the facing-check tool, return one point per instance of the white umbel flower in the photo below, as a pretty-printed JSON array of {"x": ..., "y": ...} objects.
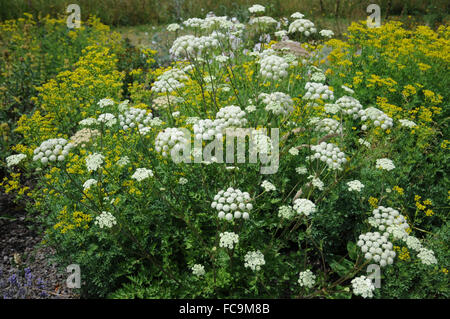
[
  {"x": 278, "y": 103},
  {"x": 232, "y": 203},
  {"x": 273, "y": 67},
  {"x": 254, "y": 260},
  {"x": 142, "y": 173},
  {"x": 306, "y": 279},
  {"x": 14, "y": 159},
  {"x": 105, "y": 102},
  {"x": 355, "y": 186},
  {"x": 316, "y": 91},
  {"x": 268, "y": 186},
  {"x": 107, "y": 118},
  {"x": 257, "y": 8},
  {"x": 106, "y": 220},
  {"x": 329, "y": 154},
  {"x": 55, "y": 149},
  {"x": 376, "y": 248},
  {"x": 89, "y": 183},
  {"x": 426, "y": 256},
  {"x": 326, "y": 33},
  {"x": 304, "y": 26},
  {"x": 228, "y": 239},
  {"x": 286, "y": 212},
  {"x": 304, "y": 206},
  {"x": 170, "y": 139},
  {"x": 363, "y": 286},
  {"x": 173, "y": 27},
  {"x": 385, "y": 163},
  {"x": 94, "y": 161},
  {"x": 407, "y": 123},
  {"x": 198, "y": 270}
]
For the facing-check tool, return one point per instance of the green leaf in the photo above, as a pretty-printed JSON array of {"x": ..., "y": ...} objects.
[
  {"x": 352, "y": 250},
  {"x": 343, "y": 267}
]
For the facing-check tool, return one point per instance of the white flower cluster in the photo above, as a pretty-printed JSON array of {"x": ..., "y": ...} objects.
[
  {"x": 227, "y": 117},
  {"x": 297, "y": 15},
  {"x": 94, "y": 161},
  {"x": 87, "y": 184},
  {"x": 316, "y": 91},
  {"x": 193, "y": 22},
  {"x": 273, "y": 67},
  {"x": 413, "y": 243},
  {"x": 142, "y": 173},
  {"x": 385, "y": 163},
  {"x": 169, "y": 81},
  {"x": 162, "y": 102},
  {"x": 105, "y": 102},
  {"x": 326, "y": 33},
  {"x": 123, "y": 161},
  {"x": 261, "y": 142},
  {"x": 363, "y": 286},
  {"x": 88, "y": 121},
  {"x": 232, "y": 203},
  {"x": 268, "y": 186},
  {"x": 355, "y": 186},
  {"x": 316, "y": 182},
  {"x": 171, "y": 138},
  {"x": 228, "y": 239},
  {"x": 328, "y": 153},
  {"x": 54, "y": 149},
  {"x": 318, "y": 77},
  {"x": 256, "y": 8},
  {"x": 173, "y": 27},
  {"x": 105, "y": 219},
  {"x": 426, "y": 256},
  {"x": 377, "y": 247},
  {"x": 379, "y": 118},
  {"x": 254, "y": 260},
  {"x": 207, "y": 129},
  {"x": 231, "y": 116},
  {"x": 277, "y": 102},
  {"x": 304, "y": 206},
  {"x": 293, "y": 151},
  {"x": 303, "y": 26},
  {"x": 306, "y": 279},
  {"x": 15, "y": 159},
  {"x": 331, "y": 108},
  {"x": 286, "y": 212},
  {"x": 107, "y": 118},
  {"x": 301, "y": 170},
  {"x": 383, "y": 217},
  {"x": 349, "y": 105},
  {"x": 182, "y": 181},
  {"x": 364, "y": 142},
  {"x": 407, "y": 123},
  {"x": 327, "y": 125},
  {"x": 198, "y": 270},
  {"x": 262, "y": 20},
  {"x": 134, "y": 116},
  {"x": 189, "y": 45}
]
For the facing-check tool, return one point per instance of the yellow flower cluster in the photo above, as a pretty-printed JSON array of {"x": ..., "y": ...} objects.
[{"x": 402, "y": 252}]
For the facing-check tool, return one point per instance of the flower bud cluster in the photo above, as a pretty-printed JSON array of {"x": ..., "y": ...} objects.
[
  {"x": 316, "y": 91},
  {"x": 170, "y": 139},
  {"x": 330, "y": 154},
  {"x": 54, "y": 149},
  {"x": 377, "y": 247},
  {"x": 232, "y": 203}
]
